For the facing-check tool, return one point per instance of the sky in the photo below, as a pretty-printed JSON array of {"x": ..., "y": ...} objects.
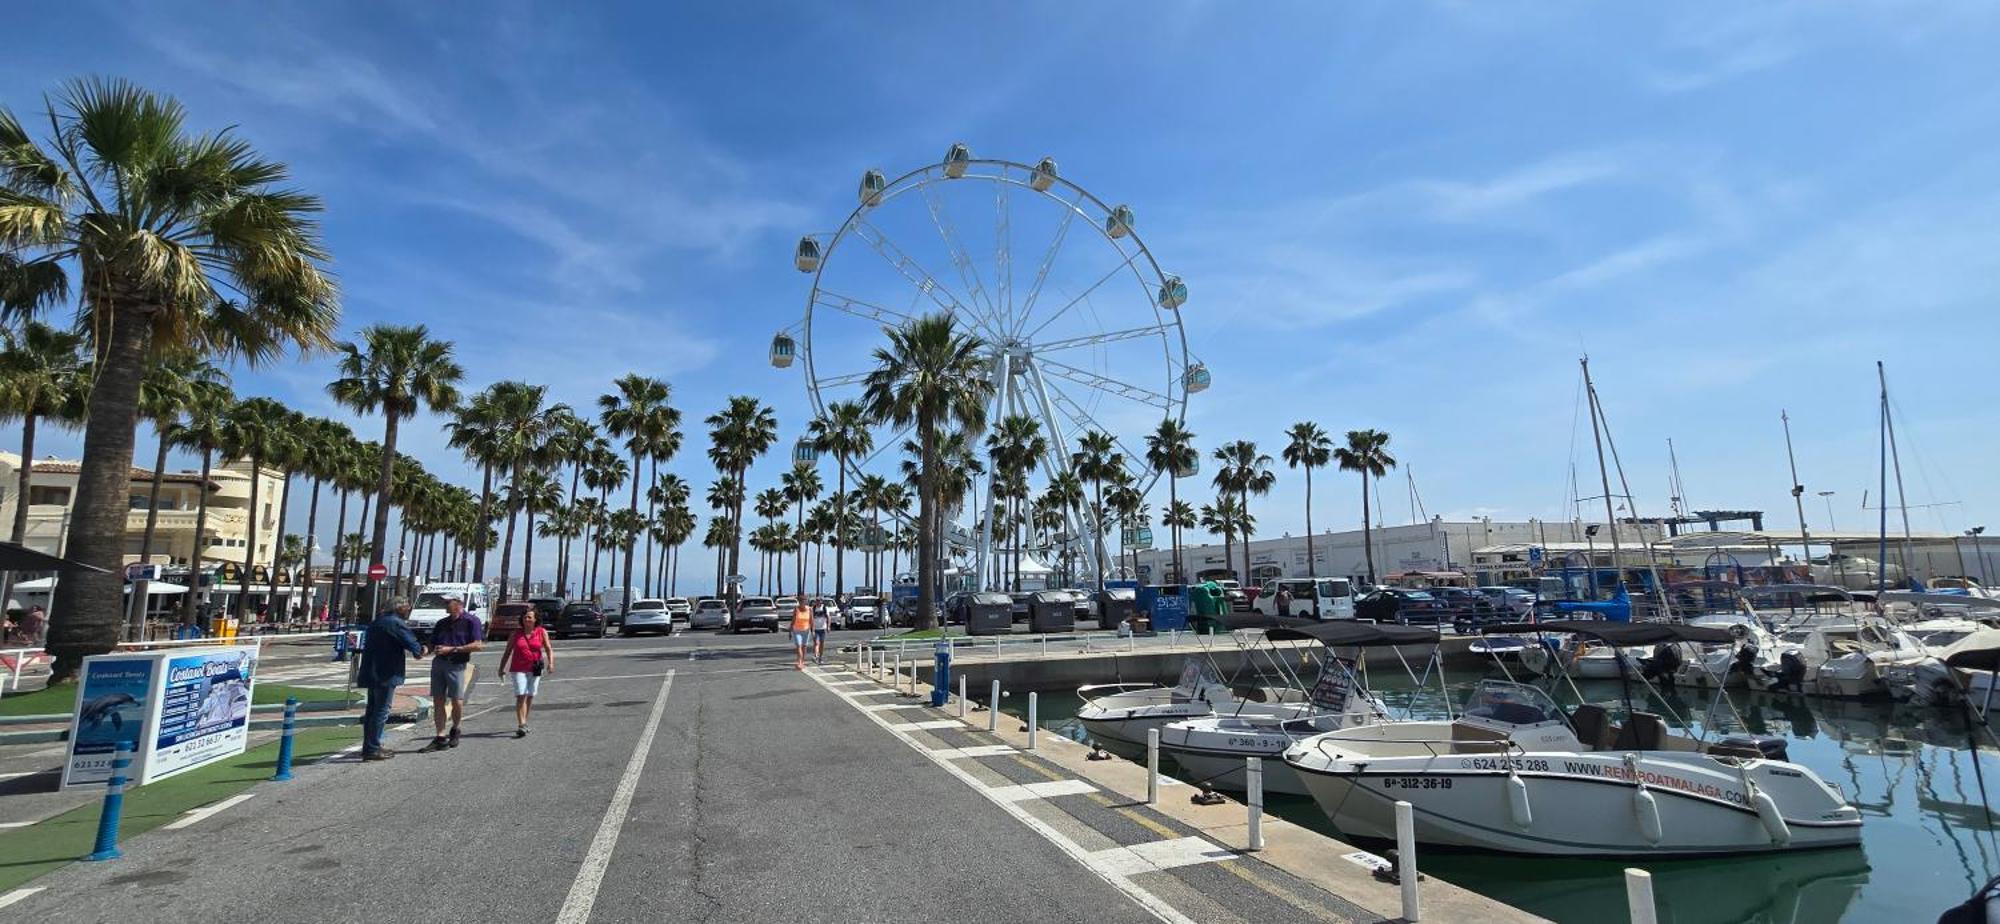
[{"x": 1414, "y": 217}]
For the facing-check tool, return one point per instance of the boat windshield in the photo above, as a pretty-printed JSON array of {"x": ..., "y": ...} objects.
[{"x": 1511, "y": 703}]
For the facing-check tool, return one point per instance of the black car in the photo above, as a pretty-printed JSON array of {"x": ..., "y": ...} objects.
[
  {"x": 1401, "y": 606},
  {"x": 578, "y": 619},
  {"x": 548, "y": 610},
  {"x": 1469, "y": 608}
]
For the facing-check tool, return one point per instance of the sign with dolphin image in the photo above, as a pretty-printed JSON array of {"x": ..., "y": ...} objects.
[{"x": 113, "y": 703}]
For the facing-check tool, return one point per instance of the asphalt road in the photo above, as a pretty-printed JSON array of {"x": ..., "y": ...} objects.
[{"x": 692, "y": 778}]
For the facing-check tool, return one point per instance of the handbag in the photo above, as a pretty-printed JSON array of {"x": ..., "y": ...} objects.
[{"x": 542, "y": 644}]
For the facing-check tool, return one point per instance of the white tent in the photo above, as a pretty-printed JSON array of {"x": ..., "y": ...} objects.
[{"x": 48, "y": 584}]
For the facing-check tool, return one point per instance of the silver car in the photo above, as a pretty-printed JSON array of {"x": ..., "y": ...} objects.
[
  {"x": 755, "y": 613},
  {"x": 648, "y": 614},
  {"x": 709, "y": 613}
]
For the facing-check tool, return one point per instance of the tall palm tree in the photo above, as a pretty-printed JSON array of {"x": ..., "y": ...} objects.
[
  {"x": 525, "y": 442},
  {"x": 605, "y": 473},
  {"x": 42, "y": 375},
  {"x": 399, "y": 370},
  {"x": 738, "y": 435},
  {"x": 1017, "y": 447},
  {"x": 1062, "y": 495},
  {"x": 1129, "y": 504},
  {"x": 677, "y": 524},
  {"x": 894, "y": 499},
  {"x": 1307, "y": 446},
  {"x": 1170, "y": 451},
  {"x": 291, "y": 551},
  {"x": 474, "y": 430},
  {"x": 640, "y": 412},
  {"x": 1244, "y": 471},
  {"x": 720, "y": 536},
  {"x": 164, "y": 394},
  {"x": 843, "y": 432},
  {"x": 771, "y": 503},
  {"x": 203, "y": 428},
  {"x": 324, "y": 440},
  {"x": 536, "y": 491},
  {"x": 931, "y": 377},
  {"x": 1367, "y": 453},
  {"x": 256, "y": 429},
  {"x": 157, "y": 223},
  {"x": 1097, "y": 461},
  {"x": 288, "y": 455},
  {"x": 802, "y": 484},
  {"x": 1178, "y": 516},
  {"x": 1228, "y": 518},
  {"x": 668, "y": 491}
]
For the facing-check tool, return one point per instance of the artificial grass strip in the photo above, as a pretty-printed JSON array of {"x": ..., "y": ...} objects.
[{"x": 62, "y": 700}]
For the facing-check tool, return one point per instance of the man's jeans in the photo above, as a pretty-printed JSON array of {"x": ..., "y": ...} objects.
[{"x": 377, "y": 716}]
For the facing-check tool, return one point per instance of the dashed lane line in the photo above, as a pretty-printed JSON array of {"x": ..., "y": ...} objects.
[
  {"x": 194, "y": 816},
  {"x": 19, "y": 894}
]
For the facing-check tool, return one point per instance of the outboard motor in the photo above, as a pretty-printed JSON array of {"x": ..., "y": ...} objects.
[
  {"x": 1662, "y": 665},
  {"x": 1771, "y": 746},
  {"x": 1790, "y": 677},
  {"x": 1745, "y": 662}
]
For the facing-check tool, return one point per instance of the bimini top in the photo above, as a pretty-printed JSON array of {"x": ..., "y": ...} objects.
[
  {"x": 1252, "y": 619},
  {"x": 1344, "y": 633},
  {"x": 1979, "y": 651},
  {"x": 1621, "y": 633}
]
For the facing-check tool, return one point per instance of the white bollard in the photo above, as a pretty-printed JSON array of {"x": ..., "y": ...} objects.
[
  {"x": 1152, "y": 766},
  {"x": 993, "y": 708},
  {"x": 1253, "y": 775},
  {"x": 1639, "y": 896},
  {"x": 961, "y": 696},
  {"x": 1045, "y": 647},
  {"x": 896, "y": 669},
  {"x": 1034, "y": 720},
  {"x": 859, "y": 650},
  {"x": 1406, "y": 859}
]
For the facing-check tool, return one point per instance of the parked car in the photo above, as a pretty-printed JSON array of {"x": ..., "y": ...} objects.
[
  {"x": 1233, "y": 592},
  {"x": 1469, "y": 607},
  {"x": 755, "y": 613},
  {"x": 1020, "y": 605},
  {"x": 428, "y": 608},
  {"x": 1515, "y": 600},
  {"x": 709, "y": 613},
  {"x": 548, "y": 610},
  {"x": 507, "y": 619},
  {"x": 1336, "y": 597},
  {"x": 1082, "y": 603},
  {"x": 679, "y": 608},
  {"x": 785, "y": 605},
  {"x": 864, "y": 611},
  {"x": 579, "y": 618},
  {"x": 953, "y": 611},
  {"x": 648, "y": 614},
  {"x": 1402, "y": 606}
]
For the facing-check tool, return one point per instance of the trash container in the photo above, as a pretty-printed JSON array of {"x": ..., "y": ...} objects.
[
  {"x": 989, "y": 614},
  {"x": 1115, "y": 605},
  {"x": 1051, "y": 611}
]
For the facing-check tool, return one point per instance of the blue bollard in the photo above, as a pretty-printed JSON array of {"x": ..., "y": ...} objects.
[
  {"x": 340, "y": 643},
  {"x": 941, "y": 675},
  {"x": 114, "y": 805},
  {"x": 285, "y": 743}
]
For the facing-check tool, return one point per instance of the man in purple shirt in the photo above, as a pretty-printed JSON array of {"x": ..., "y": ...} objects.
[{"x": 453, "y": 640}]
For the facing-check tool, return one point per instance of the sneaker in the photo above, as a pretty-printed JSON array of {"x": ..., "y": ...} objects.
[
  {"x": 383, "y": 754},
  {"x": 437, "y": 744},
  {"x": 520, "y": 731},
  {"x": 453, "y": 741}
]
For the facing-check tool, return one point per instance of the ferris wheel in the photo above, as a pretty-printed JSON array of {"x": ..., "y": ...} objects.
[{"x": 1087, "y": 337}]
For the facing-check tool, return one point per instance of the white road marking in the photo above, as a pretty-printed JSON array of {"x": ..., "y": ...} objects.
[
  {"x": 195, "y": 815},
  {"x": 15, "y": 824},
  {"x": 1153, "y": 904},
  {"x": 1158, "y": 855},
  {"x": 848, "y": 683},
  {"x": 884, "y": 707},
  {"x": 934, "y": 723},
  {"x": 850, "y": 694},
  {"x": 590, "y": 876},
  {"x": 19, "y": 894},
  {"x": 10, "y": 776},
  {"x": 977, "y": 750},
  {"x": 1047, "y": 790}
]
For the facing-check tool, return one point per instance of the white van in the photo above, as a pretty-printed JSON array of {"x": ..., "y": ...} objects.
[
  {"x": 428, "y": 607},
  {"x": 611, "y": 602},
  {"x": 1336, "y": 597}
]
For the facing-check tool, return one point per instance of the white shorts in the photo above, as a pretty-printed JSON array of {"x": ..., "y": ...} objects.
[{"x": 525, "y": 684}]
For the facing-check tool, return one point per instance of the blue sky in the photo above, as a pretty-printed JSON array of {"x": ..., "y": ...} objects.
[{"x": 1406, "y": 216}]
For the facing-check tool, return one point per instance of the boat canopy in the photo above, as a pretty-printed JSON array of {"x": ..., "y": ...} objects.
[
  {"x": 1255, "y": 620},
  {"x": 1345, "y": 634},
  {"x": 1979, "y": 651},
  {"x": 1620, "y": 633}
]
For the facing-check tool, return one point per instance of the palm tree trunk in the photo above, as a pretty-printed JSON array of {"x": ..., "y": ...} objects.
[
  {"x": 1367, "y": 534},
  {"x": 367, "y": 502},
  {"x": 507, "y": 546},
  {"x": 1243, "y": 503},
  {"x": 840, "y": 526},
  {"x": 152, "y": 496},
  {"x": 278, "y": 540},
  {"x": 378, "y": 544},
  {"x": 200, "y": 528},
  {"x": 20, "y": 533},
  {"x": 1097, "y": 523},
  {"x": 528, "y": 556},
  {"x": 631, "y": 543},
  {"x": 927, "y": 525},
  {"x": 801, "y": 584},
  {"x": 334, "y": 587},
  {"x": 1312, "y": 562},
  {"x": 653, "y": 463},
  {"x": 242, "y": 606},
  {"x": 312, "y": 539},
  {"x": 485, "y": 515},
  {"x": 1174, "y": 500}
]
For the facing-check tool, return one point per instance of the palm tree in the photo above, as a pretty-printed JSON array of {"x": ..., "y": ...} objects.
[
  {"x": 525, "y": 441},
  {"x": 1366, "y": 452},
  {"x": 473, "y": 429},
  {"x": 843, "y": 432},
  {"x": 720, "y": 536},
  {"x": 892, "y": 499},
  {"x": 1228, "y": 518},
  {"x": 1129, "y": 503},
  {"x": 1244, "y": 471},
  {"x": 42, "y": 375},
  {"x": 668, "y": 491},
  {"x": 931, "y": 377},
  {"x": 348, "y": 469},
  {"x": 324, "y": 442},
  {"x": 1178, "y": 516},
  {"x": 255, "y": 429},
  {"x": 1062, "y": 495},
  {"x": 1097, "y": 460},
  {"x": 157, "y": 223},
  {"x": 202, "y": 429},
  {"x": 291, "y": 551},
  {"x": 287, "y": 455},
  {"x": 1017, "y": 447},
  {"x": 738, "y": 435},
  {"x": 802, "y": 484},
  {"x": 1170, "y": 451},
  {"x": 400, "y": 370},
  {"x": 771, "y": 503},
  {"x": 640, "y": 413},
  {"x": 677, "y": 524},
  {"x": 164, "y": 393},
  {"x": 537, "y": 490},
  {"x": 605, "y": 473},
  {"x": 1309, "y": 447}
]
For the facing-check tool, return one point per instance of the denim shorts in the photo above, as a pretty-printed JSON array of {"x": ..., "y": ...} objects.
[
  {"x": 801, "y": 639},
  {"x": 526, "y": 683}
]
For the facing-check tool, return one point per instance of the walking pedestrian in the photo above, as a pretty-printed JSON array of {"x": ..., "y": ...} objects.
[
  {"x": 33, "y": 626},
  {"x": 453, "y": 640},
  {"x": 822, "y": 619},
  {"x": 527, "y": 660},
  {"x": 1283, "y": 599},
  {"x": 802, "y": 623},
  {"x": 381, "y": 672}
]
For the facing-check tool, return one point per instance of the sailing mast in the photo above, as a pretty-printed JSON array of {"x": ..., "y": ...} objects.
[
  {"x": 1798, "y": 497},
  {"x": 1675, "y": 484},
  {"x": 1896, "y": 460},
  {"x": 1603, "y": 477}
]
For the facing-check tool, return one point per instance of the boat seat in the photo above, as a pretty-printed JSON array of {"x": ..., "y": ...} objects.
[
  {"x": 1593, "y": 726},
  {"x": 1472, "y": 739},
  {"x": 1642, "y": 731},
  {"x": 1739, "y": 751}
]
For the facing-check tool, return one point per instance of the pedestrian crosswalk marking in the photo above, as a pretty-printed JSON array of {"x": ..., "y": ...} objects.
[
  {"x": 935, "y": 723},
  {"x": 1159, "y": 855},
  {"x": 1047, "y": 790},
  {"x": 977, "y": 750}
]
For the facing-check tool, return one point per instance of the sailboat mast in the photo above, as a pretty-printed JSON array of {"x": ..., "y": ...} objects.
[
  {"x": 1882, "y": 484},
  {"x": 1895, "y": 460},
  {"x": 1798, "y": 497},
  {"x": 1679, "y": 487},
  {"x": 1603, "y": 475}
]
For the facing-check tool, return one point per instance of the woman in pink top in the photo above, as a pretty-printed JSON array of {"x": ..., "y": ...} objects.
[{"x": 528, "y": 659}]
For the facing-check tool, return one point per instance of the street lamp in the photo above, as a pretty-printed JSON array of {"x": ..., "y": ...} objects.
[
  {"x": 1985, "y": 570},
  {"x": 1590, "y": 542}
]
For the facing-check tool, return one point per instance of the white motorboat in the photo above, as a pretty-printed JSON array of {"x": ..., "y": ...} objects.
[
  {"x": 1212, "y": 749},
  {"x": 1585, "y": 660},
  {"x": 1502, "y": 648},
  {"x": 1122, "y": 713},
  {"x": 1843, "y": 659},
  {"x": 1514, "y": 773},
  {"x": 1932, "y": 681}
]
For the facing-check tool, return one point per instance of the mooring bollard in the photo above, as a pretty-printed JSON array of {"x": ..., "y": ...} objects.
[
  {"x": 896, "y": 669},
  {"x": 1034, "y": 721},
  {"x": 1639, "y": 896},
  {"x": 961, "y": 696},
  {"x": 114, "y": 805},
  {"x": 993, "y": 709},
  {"x": 1152, "y": 766},
  {"x": 1406, "y": 859},
  {"x": 1254, "y": 781},
  {"x": 285, "y": 743},
  {"x": 859, "y": 650}
]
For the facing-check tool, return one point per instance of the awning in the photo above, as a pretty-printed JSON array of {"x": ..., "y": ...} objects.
[
  {"x": 1619, "y": 633},
  {"x": 48, "y": 585},
  {"x": 17, "y": 557},
  {"x": 1344, "y": 633}
]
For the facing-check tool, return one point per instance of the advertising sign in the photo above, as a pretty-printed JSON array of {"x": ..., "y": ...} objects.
[
  {"x": 113, "y": 702},
  {"x": 204, "y": 710},
  {"x": 1336, "y": 682}
]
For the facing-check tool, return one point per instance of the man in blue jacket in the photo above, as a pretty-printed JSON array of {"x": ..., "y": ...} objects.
[{"x": 381, "y": 672}]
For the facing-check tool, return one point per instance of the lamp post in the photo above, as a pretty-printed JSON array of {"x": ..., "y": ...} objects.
[
  {"x": 1985, "y": 570},
  {"x": 1590, "y": 542}
]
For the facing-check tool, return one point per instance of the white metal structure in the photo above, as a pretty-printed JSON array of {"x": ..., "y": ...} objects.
[{"x": 1088, "y": 338}]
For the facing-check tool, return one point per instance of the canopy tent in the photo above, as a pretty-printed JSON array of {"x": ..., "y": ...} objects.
[
  {"x": 1344, "y": 633},
  {"x": 1621, "y": 634},
  {"x": 17, "y": 557},
  {"x": 48, "y": 584}
]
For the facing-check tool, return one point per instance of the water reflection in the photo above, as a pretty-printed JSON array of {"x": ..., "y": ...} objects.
[{"x": 1927, "y": 842}]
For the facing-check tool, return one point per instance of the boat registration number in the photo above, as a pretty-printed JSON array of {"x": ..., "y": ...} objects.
[
  {"x": 1503, "y": 763},
  {"x": 1416, "y": 782}
]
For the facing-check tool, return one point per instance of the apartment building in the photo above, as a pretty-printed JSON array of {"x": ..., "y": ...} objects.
[{"x": 226, "y": 534}]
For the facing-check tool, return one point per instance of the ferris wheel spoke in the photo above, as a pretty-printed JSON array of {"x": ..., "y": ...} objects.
[
  {"x": 1003, "y": 258},
  {"x": 1107, "y": 337},
  {"x": 895, "y": 441},
  {"x": 1069, "y": 406},
  {"x": 927, "y": 285},
  {"x": 968, "y": 273},
  {"x": 858, "y": 308},
  {"x": 1042, "y": 271},
  {"x": 842, "y": 381},
  {"x": 1106, "y": 384},
  {"x": 1085, "y": 293}
]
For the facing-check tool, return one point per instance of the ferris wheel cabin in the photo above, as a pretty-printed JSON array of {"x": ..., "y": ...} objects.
[
  {"x": 783, "y": 350},
  {"x": 1196, "y": 378},
  {"x": 1044, "y": 175},
  {"x": 807, "y": 258},
  {"x": 1173, "y": 293},
  {"x": 872, "y": 185},
  {"x": 956, "y": 159},
  {"x": 804, "y": 452},
  {"x": 1119, "y": 222}
]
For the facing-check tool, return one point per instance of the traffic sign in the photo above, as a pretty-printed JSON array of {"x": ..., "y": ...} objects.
[
  {"x": 738, "y": 579},
  {"x": 378, "y": 571},
  {"x": 142, "y": 572}
]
